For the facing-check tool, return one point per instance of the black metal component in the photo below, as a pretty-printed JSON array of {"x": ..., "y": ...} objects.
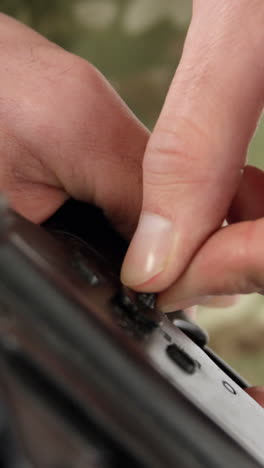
[
  {"x": 201, "y": 338},
  {"x": 182, "y": 359},
  {"x": 190, "y": 328},
  {"x": 76, "y": 218},
  {"x": 136, "y": 317}
]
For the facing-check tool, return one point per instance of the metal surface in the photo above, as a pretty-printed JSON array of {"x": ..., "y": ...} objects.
[{"x": 68, "y": 323}]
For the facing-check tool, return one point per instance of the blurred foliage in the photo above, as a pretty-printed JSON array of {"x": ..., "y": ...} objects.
[{"x": 137, "y": 45}]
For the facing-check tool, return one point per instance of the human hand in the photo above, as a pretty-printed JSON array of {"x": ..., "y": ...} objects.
[
  {"x": 193, "y": 166},
  {"x": 64, "y": 132},
  {"x": 63, "y": 128}
]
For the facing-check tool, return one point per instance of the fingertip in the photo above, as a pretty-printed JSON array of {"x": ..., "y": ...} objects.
[
  {"x": 257, "y": 393},
  {"x": 149, "y": 253}
]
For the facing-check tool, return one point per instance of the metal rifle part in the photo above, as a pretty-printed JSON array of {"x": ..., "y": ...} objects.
[{"x": 103, "y": 364}]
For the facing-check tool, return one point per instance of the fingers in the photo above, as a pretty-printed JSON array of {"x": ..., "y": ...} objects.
[
  {"x": 230, "y": 262},
  {"x": 65, "y": 132},
  {"x": 192, "y": 164},
  {"x": 103, "y": 148},
  {"x": 257, "y": 393}
]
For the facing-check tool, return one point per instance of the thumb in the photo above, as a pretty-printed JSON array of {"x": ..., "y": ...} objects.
[{"x": 193, "y": 160}]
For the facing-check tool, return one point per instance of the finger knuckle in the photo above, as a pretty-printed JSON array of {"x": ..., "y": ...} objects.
[
  {"x": 83, "y": 72},
  {"x": 178, "y": 151},
  {"x": 171, "y": 161}
]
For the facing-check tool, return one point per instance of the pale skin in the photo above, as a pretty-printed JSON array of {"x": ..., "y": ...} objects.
[{"x": 63, "y": 128}]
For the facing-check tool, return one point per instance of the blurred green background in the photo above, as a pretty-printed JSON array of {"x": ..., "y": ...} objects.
[{"x": 137, "y": 45}]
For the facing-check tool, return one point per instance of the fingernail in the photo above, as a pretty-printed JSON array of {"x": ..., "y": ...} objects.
[
  {"x": 149, "y": 251},
  {"x": 167, "y": 307}
]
